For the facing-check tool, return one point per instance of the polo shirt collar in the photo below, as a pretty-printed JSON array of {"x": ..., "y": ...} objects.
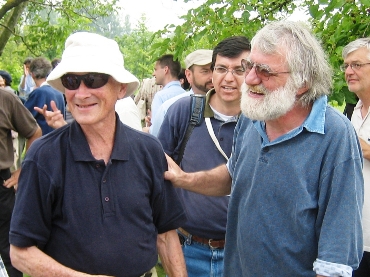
[
  {"x": 207, "y": 109},
  {"x": 315, "y": 123},
  {"x": 81, "y": 150}
]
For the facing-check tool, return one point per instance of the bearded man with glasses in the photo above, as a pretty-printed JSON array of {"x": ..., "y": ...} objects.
[
  {"x": 92, "y": 199},
  {"x": 356, "y": 70},
  {"x": 295, "y": 170}
]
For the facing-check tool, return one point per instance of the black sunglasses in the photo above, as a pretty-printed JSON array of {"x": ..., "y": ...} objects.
[{"x": 91, "y": 80}]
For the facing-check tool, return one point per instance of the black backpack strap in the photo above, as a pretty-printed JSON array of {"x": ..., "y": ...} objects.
[{"x": 196, "y": 116}]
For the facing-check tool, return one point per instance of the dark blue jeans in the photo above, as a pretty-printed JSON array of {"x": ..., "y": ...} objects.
[{"x": 201, "y": 260}]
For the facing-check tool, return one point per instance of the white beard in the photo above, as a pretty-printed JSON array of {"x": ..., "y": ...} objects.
[{"x": 273, "y": 105}]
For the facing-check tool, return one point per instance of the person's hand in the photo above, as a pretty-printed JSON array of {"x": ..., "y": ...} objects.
[
  {"x": 148, "y": 119},
  {"x": 25, "y": 70},
  {"x": 53, "y": 118},
  {"x": 174, "y": 172},
  {"x": 13, "y": 180},
  {"x": 365, "y": 148}
]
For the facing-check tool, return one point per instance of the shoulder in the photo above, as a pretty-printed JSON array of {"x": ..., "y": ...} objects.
[
  {"x": 124, "y": 103},
  {"x": 243, "y": 122},
  {"x": 140, "y": 143},
  {"x": 336, "y": 121},
  {"x": 6, "y": 95},
  {"x": 47, "y": 145},
  {"x": 181, "y": 103},
  {"x": 179, "y": 108},
  {"x": 138, "y": 137}
]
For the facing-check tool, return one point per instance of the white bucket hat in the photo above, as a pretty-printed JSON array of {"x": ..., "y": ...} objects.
[{"x": 89, "y": 52}]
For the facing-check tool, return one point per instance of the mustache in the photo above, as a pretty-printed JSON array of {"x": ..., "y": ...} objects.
[{"x": 256, "y": 88}]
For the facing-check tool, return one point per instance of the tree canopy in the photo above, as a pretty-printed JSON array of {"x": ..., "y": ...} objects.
[
  {"x": 39, "y": 28},
  {"x": 335, "y": 22}
]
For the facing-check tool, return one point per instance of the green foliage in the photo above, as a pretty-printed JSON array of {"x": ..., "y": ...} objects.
[
  {"x": 44, "y": 27},
  {"x": 335, "y": 22},
  {"x": 217, "y": 19},
  {"x": 136, "y": 47}
]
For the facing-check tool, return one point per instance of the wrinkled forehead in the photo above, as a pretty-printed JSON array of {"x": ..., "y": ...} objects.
[
  {"x": 359, "y": 55},
  {"x": 258, "y": 56}
]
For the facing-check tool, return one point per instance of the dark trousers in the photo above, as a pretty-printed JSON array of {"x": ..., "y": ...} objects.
[
  {"x": 7, "y": 198},
  {"x": 364, "y": 268}
]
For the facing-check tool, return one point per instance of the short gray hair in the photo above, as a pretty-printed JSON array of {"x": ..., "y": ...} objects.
[
  {"x": 304, "y": 55},
  {"x": 40, "y": 67},
  {"x": 355, "y": 45}
]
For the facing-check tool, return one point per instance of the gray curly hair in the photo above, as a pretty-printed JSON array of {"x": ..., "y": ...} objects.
[{"x": 305, "y": 57}]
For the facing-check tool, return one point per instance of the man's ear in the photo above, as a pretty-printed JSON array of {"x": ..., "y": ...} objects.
[
  {"x": 166, "y": 69},
  {"x": 188, "y": 74},
  {"x": 302, "y": 89},
  {"x": 122, "y": 91}
]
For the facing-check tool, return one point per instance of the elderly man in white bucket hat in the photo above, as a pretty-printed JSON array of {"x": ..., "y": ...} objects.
[{"x": 92, "y": 199}]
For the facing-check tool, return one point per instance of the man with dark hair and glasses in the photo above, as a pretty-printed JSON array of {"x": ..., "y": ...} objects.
[
  {"x": 92, "y": 199},
  {"x": 203, "y": 235},
  {"x": 294, "y": 174},
  {"x": 356, "y": 70}
]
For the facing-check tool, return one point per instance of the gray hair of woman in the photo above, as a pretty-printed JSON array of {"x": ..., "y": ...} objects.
[{"x": 304, "y": 56}]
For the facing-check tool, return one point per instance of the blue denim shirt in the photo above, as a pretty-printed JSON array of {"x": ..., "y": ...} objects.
[{"x": 296, "y": 200}]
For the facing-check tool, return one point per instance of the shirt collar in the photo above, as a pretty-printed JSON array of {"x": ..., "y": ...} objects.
[
  {"x": 208, "y": 112},
  {"x": 207, "y": 109},
  {"x": 315, "y": 123},
  {"x": 81, "y": 150},
  {"x": 172, "y": 83}
]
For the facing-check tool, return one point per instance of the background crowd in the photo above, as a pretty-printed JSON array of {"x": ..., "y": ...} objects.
[{"x": 269, "y": 179}]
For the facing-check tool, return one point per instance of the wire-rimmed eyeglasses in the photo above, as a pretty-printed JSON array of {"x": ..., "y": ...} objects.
[
  {"x": 354, "y": 66},
  {"x": 263, "y": 71},
  {"x": 223, "y": 70}
]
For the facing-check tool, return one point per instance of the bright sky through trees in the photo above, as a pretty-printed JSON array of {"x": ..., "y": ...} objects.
[{"x": 158, "y": 12}]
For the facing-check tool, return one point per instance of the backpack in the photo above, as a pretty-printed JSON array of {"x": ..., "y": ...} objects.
[{"x": 196, "y": 117}]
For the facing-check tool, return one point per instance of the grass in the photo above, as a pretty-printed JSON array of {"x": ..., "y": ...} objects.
[{"x": 160, "y": 271}]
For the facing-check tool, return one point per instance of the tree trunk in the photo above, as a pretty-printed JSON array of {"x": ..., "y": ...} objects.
[{"x": 10, "y": 23}]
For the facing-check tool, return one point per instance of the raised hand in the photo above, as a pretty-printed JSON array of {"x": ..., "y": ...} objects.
[{"x": 53, "y": 118}]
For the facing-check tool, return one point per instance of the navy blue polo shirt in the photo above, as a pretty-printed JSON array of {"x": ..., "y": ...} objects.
[{"x": 92, "y": 217}]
